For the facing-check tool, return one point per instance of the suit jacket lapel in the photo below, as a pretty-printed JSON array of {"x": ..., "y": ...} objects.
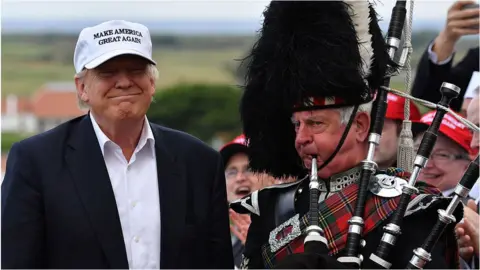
[
  {"x": 85, "y": 161},
  {"x": 172, "y": 189}
]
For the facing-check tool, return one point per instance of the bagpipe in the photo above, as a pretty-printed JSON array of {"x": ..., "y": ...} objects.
[{"x": 315, "y": 241}]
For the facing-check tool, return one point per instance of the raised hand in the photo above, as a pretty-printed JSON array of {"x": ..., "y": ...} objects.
[
  {"x": 240, "y": 225},
  {"x": 460, "y": 22},
  {"x": 468, "y": 232}
]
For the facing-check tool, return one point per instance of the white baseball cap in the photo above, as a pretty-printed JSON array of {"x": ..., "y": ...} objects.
[{"x": 104, "y": 41}]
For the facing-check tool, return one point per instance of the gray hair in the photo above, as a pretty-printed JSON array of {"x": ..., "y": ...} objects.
[
  {"x": 346, "y": 112},
  {"x": 152, "y": 72}
]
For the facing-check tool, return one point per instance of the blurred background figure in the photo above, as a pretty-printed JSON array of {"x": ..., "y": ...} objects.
[
  {"x": 473, "y": 115},
  {"x": 240, "y": 183},
  {"x": 468, "y": 231},
  {"x": 450, "y": 156},
  {"x": 386, "y": 153},
  {"x": 240, "y": 180},
  {"x": 436, "y": 63},
  {"x": 468, "y": 236}
]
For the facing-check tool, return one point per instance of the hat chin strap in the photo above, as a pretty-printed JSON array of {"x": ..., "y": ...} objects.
[{"x": 342, "y": 140}]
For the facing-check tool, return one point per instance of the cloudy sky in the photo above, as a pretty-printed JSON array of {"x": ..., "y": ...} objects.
[
  {"x": 175, "y": 9},
  {"x": 39, "y": 15}
]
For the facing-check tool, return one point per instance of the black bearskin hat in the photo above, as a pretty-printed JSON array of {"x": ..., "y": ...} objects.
[{"x": 309, "y": 55}]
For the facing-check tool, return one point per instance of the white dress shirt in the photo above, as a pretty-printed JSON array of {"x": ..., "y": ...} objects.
[{"x": 135, "y": 185}]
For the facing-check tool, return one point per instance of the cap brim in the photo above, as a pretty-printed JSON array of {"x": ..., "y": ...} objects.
[
  {"x": 111, "y": 54},
  {"x": 418, "y": 128},
  {"x": 228, "y": 151}
]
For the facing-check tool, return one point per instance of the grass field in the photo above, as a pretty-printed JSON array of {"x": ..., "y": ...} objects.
[
  {"x": 24, "y": 70},
  {"x": 28, "y": 62}
]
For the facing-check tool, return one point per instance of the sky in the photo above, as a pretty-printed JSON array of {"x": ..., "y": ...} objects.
[
  {"x": 178, "y": 10},
  {"x": 175, "y": 9}
]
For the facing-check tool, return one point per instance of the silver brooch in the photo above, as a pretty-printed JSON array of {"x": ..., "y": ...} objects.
[
  {"x": 387, "y": 186},
  {"x": 285, "y": 233}
]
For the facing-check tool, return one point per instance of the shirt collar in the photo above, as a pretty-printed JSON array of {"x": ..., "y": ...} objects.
[
  {"x": 145, "y": 137},
  {"x": 339, "y": 181},
  {"x": 447, "y": 192}
]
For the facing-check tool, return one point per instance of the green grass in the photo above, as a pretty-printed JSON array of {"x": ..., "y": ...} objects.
[
  {"x": 8, "y": 139},
  {"x": 203, "y": 66},
  {"x": 28, "y": 62},
  {"x": 27, "y": 65}
]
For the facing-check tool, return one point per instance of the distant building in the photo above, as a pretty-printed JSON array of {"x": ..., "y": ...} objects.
[
  {"x": 17, "y": 115},
  {"x": 51, "y": 105},
  {"x": 54, "y": 104}
]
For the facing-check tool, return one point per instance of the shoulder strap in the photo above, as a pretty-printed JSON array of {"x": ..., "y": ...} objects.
[{"x": 285, "y": 206}]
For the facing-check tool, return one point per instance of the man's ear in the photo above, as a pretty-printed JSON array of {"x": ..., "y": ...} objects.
[
  {"x": 153, "y": 86},
  {"x": 362, "y": 126},
  {"x": 81, "y": 90}
]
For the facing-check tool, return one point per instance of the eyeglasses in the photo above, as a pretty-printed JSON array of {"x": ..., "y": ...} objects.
[
  {"x": 444, "y": 156},
  {"x": 230, "y": 174}
]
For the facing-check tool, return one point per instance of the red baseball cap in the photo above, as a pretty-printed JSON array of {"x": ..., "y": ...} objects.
[
  {"x": 450, "y": 127},
  {"x": 395, "y": 108},
  {"x": 237, "y": 145}
]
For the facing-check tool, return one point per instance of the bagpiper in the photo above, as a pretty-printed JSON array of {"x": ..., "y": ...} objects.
[{"x": 311, "y": 80}]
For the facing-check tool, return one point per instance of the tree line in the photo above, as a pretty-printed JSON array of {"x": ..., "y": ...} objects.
[{"x": 207, "y": 111}]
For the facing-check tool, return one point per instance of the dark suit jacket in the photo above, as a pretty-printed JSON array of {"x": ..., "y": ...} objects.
[
  {"x": 430, "y": 77},
  {"x": 59, "y": 209}
]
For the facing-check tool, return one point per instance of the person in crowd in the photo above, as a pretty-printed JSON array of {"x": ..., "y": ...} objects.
[
  {"x": 386, "y": 152},
  {"x": 450, "y": 156},
  {"x": 110, "y": 189},
  {"x": 468, "y": 236},
  {"x": 473, "y": 115},
  {"x": 435, "y": 65},
  {"x": 468, "y": 231},
  {"x": 241, "y": 181}
]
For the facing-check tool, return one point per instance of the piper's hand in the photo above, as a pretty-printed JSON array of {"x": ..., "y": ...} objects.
[
  {"x": 240, "y": 226},
  {"x": 460, "y": 22},
  {"x": 468, "y": 232}
]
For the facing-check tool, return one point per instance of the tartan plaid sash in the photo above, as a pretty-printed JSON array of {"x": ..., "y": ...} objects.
[{"x": 335, "y": 212}]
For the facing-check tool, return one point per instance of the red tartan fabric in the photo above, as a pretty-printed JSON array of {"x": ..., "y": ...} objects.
[
  {"x": 322, "y": 101},
  {"x": 335, "y": 212}
]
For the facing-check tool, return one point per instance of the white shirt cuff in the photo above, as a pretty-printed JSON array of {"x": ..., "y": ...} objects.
[{"x": 434, "y": 58}]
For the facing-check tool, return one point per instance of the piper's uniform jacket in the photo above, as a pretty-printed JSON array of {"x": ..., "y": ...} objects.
[{"x": 278, "y": 215}]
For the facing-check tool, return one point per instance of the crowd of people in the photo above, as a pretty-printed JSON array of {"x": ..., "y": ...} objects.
[{"x": 111, "y": 189}]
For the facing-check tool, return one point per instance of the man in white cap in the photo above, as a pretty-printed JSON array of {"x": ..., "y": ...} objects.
[{"x": 110, "y": 189}]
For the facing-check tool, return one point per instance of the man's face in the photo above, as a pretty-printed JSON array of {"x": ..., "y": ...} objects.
[
  {"x": 444, "y": 168},
  {"x": 240, "y": 180},
  {"x": 319, "y": 132},
  {"x": 386, "y": 152},
  {"x": 473, "y": 116},
  {"x": 120, "y": 88}
]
